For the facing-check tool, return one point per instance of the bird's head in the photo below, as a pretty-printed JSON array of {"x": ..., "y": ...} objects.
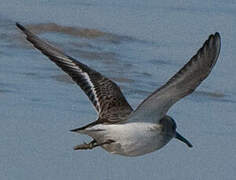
[{"x": 169, "y": 126}]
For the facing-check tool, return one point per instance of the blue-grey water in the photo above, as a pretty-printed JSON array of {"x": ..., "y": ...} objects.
[{"x": 138, "y": 44}]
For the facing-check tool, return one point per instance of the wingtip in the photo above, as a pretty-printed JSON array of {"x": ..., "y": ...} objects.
[
  {"x": 217, "y": 34},
  {"x": 215, "y": 40},
  {"x": 20, "y": 26},
  {"x": 218, "y": 42}
]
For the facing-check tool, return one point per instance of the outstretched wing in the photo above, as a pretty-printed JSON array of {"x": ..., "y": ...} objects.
[
  {"x": 105, "y": 95},
  {"x": 181, "y": 84}
]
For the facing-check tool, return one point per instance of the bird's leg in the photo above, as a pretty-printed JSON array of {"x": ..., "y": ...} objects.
[
  {"x": 109, "y": 141},
  {"x": 91, "y": 145},
  {"x": 86, "y": 146}
]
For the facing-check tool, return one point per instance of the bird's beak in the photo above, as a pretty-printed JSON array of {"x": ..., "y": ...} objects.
[{"x": 181, "y": 138}]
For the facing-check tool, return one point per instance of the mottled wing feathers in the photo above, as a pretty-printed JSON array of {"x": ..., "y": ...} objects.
[
  {"x": 105, "y": 95},
  {"x": 181, "y": 84}
]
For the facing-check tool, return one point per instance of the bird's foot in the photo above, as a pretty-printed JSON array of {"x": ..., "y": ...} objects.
[
  {"x": 86, "y": 146},
  {"x": 91, "y": 145}
]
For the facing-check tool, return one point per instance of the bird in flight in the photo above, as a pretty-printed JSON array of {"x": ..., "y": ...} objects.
[{"x": 119, "y": 129}]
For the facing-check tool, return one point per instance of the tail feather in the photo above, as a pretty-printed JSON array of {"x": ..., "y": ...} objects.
[{"x": 84, "y": 127}]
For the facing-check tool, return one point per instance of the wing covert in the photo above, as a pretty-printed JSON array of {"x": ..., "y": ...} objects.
[
  {"x": 105, "y": 95},
  {"x": 183, "y": 83}
]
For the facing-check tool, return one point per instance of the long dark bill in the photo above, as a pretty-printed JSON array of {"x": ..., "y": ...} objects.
[{"x": 181, "y": 138}]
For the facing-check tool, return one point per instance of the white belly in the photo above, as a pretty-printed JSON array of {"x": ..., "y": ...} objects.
[{"x": 131, "y": 139}]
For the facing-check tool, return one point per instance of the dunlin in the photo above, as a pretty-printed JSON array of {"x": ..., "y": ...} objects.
[{"x": 119, "y": 129}]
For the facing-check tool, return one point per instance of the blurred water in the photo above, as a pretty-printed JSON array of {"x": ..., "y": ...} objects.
[{"x": 138, "y": 44}]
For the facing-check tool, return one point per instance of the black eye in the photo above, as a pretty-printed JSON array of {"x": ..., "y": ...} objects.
[{"x": 174, "y": 126}]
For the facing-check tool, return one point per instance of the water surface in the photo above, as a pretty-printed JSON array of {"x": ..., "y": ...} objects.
[{"x": 139, "y": 45}]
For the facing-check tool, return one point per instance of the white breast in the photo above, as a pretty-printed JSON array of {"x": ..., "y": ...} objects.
[{"x": 131, "y": 139}]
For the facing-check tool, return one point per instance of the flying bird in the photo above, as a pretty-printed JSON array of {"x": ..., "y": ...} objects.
[{"x": 119, "y": 129}]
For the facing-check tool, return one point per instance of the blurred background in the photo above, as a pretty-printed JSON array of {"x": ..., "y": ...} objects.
[{"x": 139, "y": 45}]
